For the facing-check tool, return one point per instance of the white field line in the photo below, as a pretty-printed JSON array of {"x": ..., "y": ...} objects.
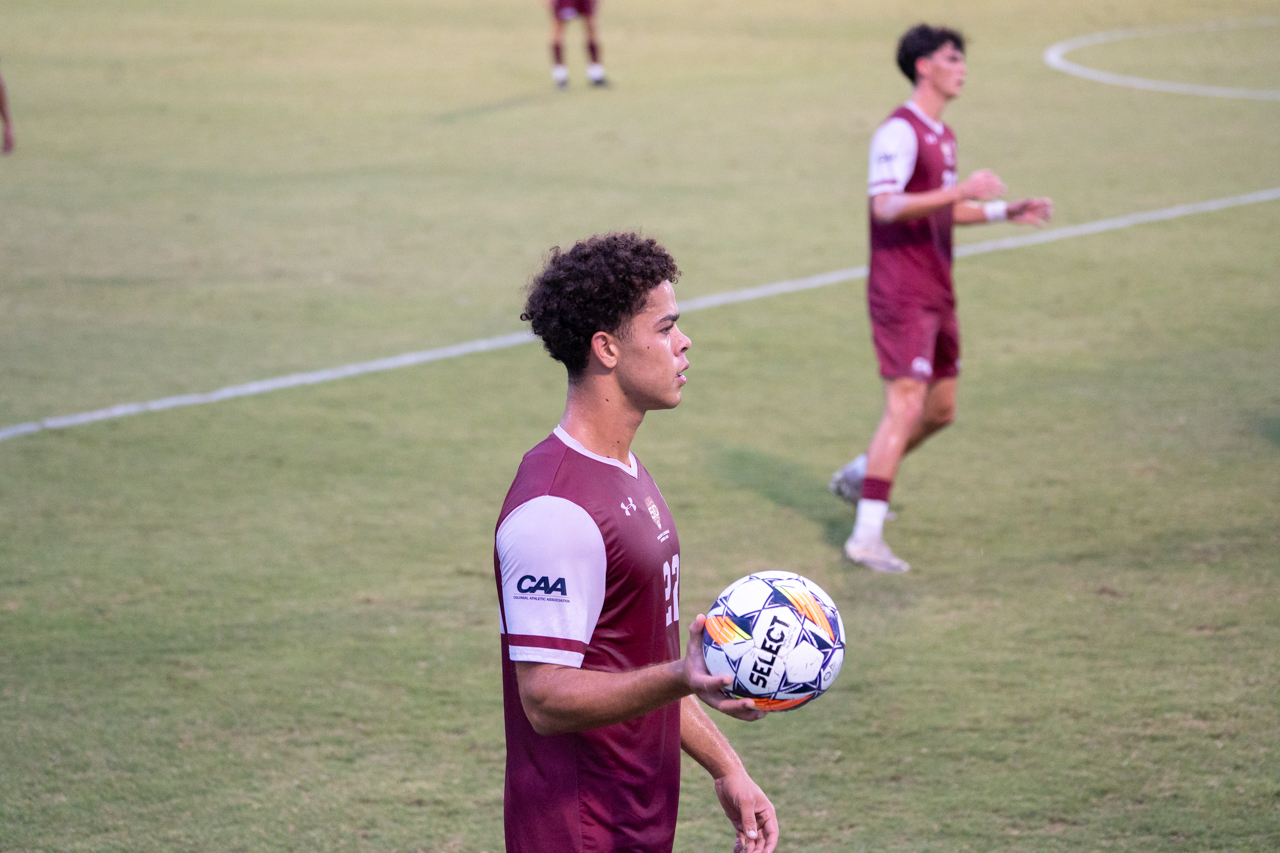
[
  {"x": 1054, "y": 58},
  {"x": 295, "y": 380}
]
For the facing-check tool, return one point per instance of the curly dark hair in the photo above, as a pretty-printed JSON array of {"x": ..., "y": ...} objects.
[
  {"x": 921, "y": 41},
  {"x": 596, "y": 286}
]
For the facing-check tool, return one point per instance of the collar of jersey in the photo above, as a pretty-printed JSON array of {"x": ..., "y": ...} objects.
[
  {"x": 573, "y": 444},
  {"x": 936, "y": 126}
]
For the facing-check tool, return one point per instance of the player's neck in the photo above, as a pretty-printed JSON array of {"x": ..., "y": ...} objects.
[
  {"x": 930, "y": 101},
  {"x": 600, "y": 420}
]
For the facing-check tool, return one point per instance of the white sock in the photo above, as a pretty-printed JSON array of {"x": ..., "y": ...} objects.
[
  {"x": 595, "y": 72},
  {"x": 559, "y": 74},
  {"x": 870, "y": 521}
]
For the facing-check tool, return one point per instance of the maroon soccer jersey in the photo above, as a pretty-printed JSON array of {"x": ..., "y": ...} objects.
[
  {"x": 911, "y": 260},
  {"x": 587, "y": 563}
]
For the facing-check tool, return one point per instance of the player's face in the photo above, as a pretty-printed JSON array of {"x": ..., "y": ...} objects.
[
  {"x": 651, "y": 356},
  {"x": 944, "y": 70}
]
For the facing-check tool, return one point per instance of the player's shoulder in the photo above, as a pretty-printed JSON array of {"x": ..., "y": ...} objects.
[
  {"x": 561, "y": 466},
  {"x": 536, "y": 474},
  {"x": 901, "y": 111},
  {"x": 905, "y": 117},
  {"x": 896, "y": 135},
  {"x": 898, "y": 121},
  {"x": 542, "y": 461},
  {"x": 549, "y": 449}
]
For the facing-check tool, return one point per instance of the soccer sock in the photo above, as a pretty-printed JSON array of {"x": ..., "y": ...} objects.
[
  {"x": 873, "y": 506},
  {"x": 873, "y": 488},
  {"x": 593, "y": 51},
  {"x": 557, "y": 54}
]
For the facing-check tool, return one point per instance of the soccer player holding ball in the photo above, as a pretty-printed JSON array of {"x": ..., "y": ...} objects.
[
  {"x": 915, "y": 200},
  {"x": 597, "y": 700}
]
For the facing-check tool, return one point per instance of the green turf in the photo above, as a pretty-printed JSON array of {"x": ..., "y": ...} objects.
[{"x": 270, "y": 623}]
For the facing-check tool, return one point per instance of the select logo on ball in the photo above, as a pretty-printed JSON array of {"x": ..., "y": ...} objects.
[{"x": 779, "y": 635}]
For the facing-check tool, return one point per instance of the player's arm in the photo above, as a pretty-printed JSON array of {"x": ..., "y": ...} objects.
[
  {"x": 558, "y": 699},
  {"x": 1028, "y": 211},
  {"x": 746, "y": 806},
  {"x": 982, "y": 185}
]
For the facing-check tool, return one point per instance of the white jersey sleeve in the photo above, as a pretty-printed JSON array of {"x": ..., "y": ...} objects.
[
  {"x": 552, "y": 560},
  {"x": 893, "y": 157}
]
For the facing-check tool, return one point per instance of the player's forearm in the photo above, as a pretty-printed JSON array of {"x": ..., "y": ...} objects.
[
  {"x": 704, "y": 741},
  {"x": 969, "y": 213},
  {"x": 562, "y": 699},
  {"x": 898, "y": 207}
]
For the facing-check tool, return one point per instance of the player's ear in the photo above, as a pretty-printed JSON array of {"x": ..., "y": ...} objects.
[{"x": 604, "y": 348}]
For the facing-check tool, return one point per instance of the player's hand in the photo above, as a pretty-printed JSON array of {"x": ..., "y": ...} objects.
[
  {"x": 1031, "y": 211},
  {"x": 982, "y": 185},
  {"x": 750, "y": 812},
  {"x": 710, "y": 688}
]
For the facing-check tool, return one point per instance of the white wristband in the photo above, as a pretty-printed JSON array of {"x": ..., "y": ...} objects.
[{"x": 996, "y": 211}]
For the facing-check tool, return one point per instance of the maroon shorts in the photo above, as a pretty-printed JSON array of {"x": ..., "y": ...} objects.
[
  {"x": 567, "y": 10},
  {"x": 917, "y": 343}
]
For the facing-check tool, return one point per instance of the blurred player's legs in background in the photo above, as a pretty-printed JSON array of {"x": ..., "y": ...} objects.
[
  {"x": 559, "y": 73},
  {"x": 561, "y": 12},
  {"x": 6, "y": 124},
  {"x": 595, "y": 70},
  {"x": 914, "y": 410}
]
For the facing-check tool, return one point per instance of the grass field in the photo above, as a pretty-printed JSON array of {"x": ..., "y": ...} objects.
[{"x": 269, "y": 624}]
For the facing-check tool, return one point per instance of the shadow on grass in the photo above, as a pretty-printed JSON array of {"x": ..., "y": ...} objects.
[
  {"x": 492, "y": 107},
  {"x": 785, "y": 484},
  {"x": 1269, "y": 426}
]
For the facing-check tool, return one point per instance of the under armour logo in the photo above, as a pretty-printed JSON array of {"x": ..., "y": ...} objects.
[{"x": 628, "y": 506}]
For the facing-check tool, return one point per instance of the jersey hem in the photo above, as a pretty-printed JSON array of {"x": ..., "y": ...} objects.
[{"x": 533, "y": 654}]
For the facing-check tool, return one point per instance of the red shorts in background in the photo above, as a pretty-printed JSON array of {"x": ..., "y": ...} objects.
[
  {"x": 567, "y": 10},
  {"x": 917, "y": 343}
]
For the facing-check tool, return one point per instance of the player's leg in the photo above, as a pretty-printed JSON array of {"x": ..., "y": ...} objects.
[
  {"x": 938, "y": 412},
  {"x": 907, "y": 341},
  {"x": 559, "y": 73},
  {"x": 921, "y": 344},
  {"x": 904, "y": 401},
  {"x": 940, "y": 402},
  {"x": 903, "y": 411},
  {"x": 595, "y": 69}
]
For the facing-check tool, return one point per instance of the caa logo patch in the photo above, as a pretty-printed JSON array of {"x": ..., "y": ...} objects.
[
  {"x": 921, "y": 365},
  {"x": 530, "y": 585}
]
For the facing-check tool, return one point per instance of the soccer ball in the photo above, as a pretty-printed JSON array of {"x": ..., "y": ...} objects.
[{"x": 779, "y": 635}]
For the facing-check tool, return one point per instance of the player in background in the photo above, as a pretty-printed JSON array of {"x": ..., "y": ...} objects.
[
  {"x": 6, "y": 123},
  {"x": 914, "y": 202},
  {"x": 597, "y": 700},
  {"x": 563, "y": 11}
]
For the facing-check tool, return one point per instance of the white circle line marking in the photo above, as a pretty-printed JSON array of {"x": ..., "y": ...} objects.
[
  {"x": 1054, "y": 58},
  {"x": 713, "y": 300}
]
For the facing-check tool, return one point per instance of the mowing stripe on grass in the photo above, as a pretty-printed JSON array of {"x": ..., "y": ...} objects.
[
  {"x": 1054, "y": 58},
  {"x": 408, "y": 359}
]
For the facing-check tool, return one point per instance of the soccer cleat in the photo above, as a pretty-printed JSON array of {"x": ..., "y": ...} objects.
[
  {"x": 560, "y": 75},
  {"x": 875, "y": 555},
  {"x": 595, "y": 73},
  {"x": 846, "y": 483}
]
